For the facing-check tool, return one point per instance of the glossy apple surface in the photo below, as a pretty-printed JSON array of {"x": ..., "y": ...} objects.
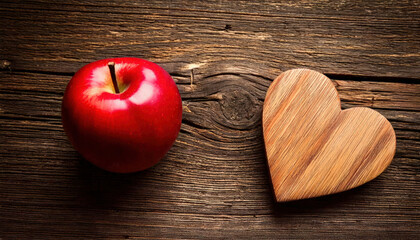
[{"x": 126, "y": 132}]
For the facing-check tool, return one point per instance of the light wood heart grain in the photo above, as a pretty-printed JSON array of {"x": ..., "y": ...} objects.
[{"x": 313, "y": 147}]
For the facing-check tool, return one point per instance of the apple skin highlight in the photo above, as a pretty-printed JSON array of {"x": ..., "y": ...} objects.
[{"x": 126, "y": 132}]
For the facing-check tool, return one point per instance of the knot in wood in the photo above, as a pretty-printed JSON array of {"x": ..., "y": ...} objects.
[{"x": 239, "y": 107}]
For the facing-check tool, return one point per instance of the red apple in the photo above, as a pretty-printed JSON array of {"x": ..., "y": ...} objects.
[{"x": 122, "y": 132}]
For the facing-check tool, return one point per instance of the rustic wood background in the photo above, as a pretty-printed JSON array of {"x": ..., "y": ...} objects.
[{"x": 214, "y": 182}]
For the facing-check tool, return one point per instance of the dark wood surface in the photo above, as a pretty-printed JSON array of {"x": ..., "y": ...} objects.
[{"x": 214, "y": 182}]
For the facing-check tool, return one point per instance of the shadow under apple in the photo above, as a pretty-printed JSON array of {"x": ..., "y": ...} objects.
[{"x": 103, "y": 189}]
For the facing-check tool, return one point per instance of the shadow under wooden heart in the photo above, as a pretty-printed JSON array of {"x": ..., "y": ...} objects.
[{"x": 313, "y": 147}]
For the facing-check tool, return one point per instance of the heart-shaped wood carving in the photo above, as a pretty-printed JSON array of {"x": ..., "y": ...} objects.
[{"x": 313, "y": 147}]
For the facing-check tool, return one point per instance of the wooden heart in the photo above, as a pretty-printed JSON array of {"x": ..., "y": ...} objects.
[{"x": 313, "y": 147}]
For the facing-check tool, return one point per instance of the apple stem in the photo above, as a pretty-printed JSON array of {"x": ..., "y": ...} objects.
[
  {"x": 111, "y": 66},
  {"x": 192, "y": 77}
]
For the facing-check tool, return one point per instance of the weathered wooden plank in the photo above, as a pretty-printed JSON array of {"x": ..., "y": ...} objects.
[
  {"x": 213, "y": 183},
  {"x": 353, "y": 9},
  {"x": 190, "y": 226},
  {"x": 225, "y": 94},
  {"x": 375, "y": 39}
]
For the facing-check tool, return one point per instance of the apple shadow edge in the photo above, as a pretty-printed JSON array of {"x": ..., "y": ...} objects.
[{"x": 103, "y": 189}]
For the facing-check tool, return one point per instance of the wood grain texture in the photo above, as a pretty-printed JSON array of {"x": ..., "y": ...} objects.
[
  {"x": 313, "y": 147},
  {"x": 346, "y": 37},
  {"x": 214, "y": 183}
]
